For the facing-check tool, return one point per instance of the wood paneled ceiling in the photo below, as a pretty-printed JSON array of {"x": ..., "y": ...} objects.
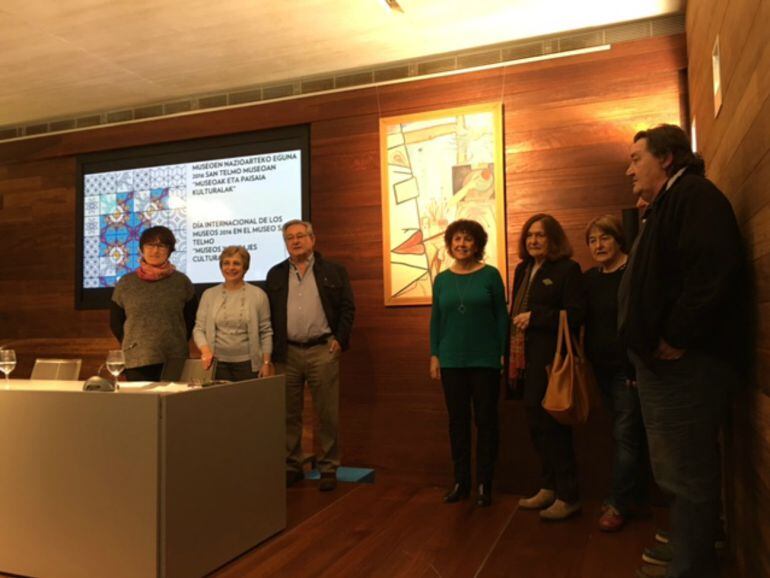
[{"x": 61, "y": 58}]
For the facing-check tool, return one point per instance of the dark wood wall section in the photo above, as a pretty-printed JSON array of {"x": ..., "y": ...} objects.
[
  {"x": 568, "y": 123},
  {"x": 736, "y": 147}
]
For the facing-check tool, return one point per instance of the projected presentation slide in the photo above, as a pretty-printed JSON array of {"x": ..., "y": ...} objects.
[{"x": 207, "y": 204}]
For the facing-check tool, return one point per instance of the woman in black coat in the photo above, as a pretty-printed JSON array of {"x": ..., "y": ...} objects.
[
  {"x": 545, "y": 282},
  {"x": 614, "y": 372}
]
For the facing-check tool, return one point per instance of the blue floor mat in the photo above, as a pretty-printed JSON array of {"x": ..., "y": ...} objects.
[{"x": 345, "y": 474}]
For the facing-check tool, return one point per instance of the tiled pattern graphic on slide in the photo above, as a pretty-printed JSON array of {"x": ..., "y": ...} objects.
[{"x": 118, "y": 206}]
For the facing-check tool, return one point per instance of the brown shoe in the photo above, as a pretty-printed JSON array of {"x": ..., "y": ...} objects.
[
  {"x": 560, "y": 510},
  {"x": 542, "y": 499},
  {"x": 328, "y": 482},
  {"x": 611, "y": 520}
]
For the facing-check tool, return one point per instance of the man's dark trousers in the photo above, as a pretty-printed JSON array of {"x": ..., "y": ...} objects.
[{"x": 683, "y": 404}]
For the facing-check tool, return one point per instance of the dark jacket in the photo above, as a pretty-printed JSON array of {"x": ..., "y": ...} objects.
[
  {"x": 336, "y": 298},
  {"x": 687, "y": 277},
  {"x": 557, "y": 285}
]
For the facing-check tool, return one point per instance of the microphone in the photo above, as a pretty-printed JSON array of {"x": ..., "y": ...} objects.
[{"x": 98, "y": 383}]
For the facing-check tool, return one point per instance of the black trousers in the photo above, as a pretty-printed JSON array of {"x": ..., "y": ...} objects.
[
  {"x": 235, "y": 371},
  {"x": 479, "y": 388},
  {"x": 144, "y": 373},
  {"x": 553, "y": 443}
]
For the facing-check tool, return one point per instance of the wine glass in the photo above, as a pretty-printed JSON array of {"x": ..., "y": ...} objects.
[
  {"x": 116, "y": 363},
  {"x": 7, "y": 362}
]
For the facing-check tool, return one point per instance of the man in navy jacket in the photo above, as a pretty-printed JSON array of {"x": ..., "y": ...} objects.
[
  {"x": 312, "y": 310},
  {"x": 681, "y": 317}
]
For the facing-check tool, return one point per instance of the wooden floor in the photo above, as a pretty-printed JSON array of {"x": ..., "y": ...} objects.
[{"x": 401, "y": 529}]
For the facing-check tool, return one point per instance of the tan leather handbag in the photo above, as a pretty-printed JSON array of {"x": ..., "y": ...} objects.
[{"x": 571, "y": 387}]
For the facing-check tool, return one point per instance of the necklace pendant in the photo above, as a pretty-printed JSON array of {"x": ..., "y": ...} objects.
[{"x": 461, "y": 308}]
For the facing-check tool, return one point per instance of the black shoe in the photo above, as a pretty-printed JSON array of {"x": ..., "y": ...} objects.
[
  {"x": 458, "y": 492},
  {"x": 292, "y": 477},
  {"x": 660, "y": 555},
  {"x": 485, "y": 495},
  {"x": 662, "y": 537}
]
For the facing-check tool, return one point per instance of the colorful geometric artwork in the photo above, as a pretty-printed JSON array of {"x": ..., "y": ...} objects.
[
  {"x": 438, "y": 167},
  {"x": 118, "y": 207}
]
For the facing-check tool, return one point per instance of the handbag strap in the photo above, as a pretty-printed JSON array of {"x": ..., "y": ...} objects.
[
  {"x": 564, "y": 333},
  {"x": 560, "y": 332}
]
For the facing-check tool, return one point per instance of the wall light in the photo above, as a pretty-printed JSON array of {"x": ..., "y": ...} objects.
[
  {"x": 693, "y": 136},
  {"x": 716, "y": 70}
]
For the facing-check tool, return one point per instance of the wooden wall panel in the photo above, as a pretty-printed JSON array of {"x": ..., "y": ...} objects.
[
  {"x": 736, "y": 148},
  {"x": 568, "y": 125}
]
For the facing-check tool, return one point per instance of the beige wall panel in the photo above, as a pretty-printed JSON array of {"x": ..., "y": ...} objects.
[
  {"x": 78, "y": 485},
  {"x": 223, "y": 482}
]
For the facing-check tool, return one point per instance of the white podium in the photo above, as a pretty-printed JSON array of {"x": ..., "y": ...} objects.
[{"x": 166, "y": 482}]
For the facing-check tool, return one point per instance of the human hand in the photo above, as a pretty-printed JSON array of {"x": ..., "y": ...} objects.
[
  {"x": 206, "y": 358},
  {"x": 267, "y": 369},
  {"x": 521, "y": 321},
  {"x": 435, "y": 368},
  {"x": 668, "y": 352},
  {"x": 334, "y": 346}
]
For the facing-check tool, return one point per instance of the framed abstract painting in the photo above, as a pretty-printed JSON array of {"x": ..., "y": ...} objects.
[{"x": 438, "y": 167}]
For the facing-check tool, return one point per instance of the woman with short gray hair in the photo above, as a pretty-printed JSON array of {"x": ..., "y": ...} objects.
[{"x": 233, "y": 323}]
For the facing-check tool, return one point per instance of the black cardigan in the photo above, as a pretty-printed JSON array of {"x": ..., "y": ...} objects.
[
  {"x": 336, "y": 298},
  {"x": 556, "y": 285}
]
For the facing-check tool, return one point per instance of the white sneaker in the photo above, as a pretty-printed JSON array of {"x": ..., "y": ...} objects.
[
  {"x": 542, "y": 499},
  {"x": 560, "y": 510}
]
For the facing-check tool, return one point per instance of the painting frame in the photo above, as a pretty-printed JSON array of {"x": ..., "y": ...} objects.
[{"x": 424, "y": 189}]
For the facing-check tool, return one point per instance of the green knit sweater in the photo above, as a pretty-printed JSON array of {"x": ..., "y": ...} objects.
[{"x": 469, "y": 320}]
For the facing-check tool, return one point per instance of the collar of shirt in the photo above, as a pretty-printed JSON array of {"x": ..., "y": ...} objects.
[
  {"x": 673, "y": 179},
  {"x": 669, "y": 183},
  {"x": 310, "y": 263}
]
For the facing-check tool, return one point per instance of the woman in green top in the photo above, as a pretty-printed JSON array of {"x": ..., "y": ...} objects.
[{"x": 468, "y": 331}]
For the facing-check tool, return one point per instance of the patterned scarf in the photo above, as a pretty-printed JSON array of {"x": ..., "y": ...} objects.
[
  {"x": 517, "y": 361},
  {"x": 147, "y": 272}
]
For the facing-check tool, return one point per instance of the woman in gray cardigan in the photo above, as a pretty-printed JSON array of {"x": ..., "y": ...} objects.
[{"x": 233, "y": 323}]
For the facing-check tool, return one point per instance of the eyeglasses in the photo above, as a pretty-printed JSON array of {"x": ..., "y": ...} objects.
[
  {"x": 298, "y": 237},
  {"x": 156, "y": 245}
]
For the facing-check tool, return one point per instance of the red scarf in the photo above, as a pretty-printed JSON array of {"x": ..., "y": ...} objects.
[
  {"x": 517, "y": 360},
  {"x": 147, "y": 272}
]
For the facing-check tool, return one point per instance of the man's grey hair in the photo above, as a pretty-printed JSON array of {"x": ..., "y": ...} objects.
[{"x": 308, "y": 226}]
